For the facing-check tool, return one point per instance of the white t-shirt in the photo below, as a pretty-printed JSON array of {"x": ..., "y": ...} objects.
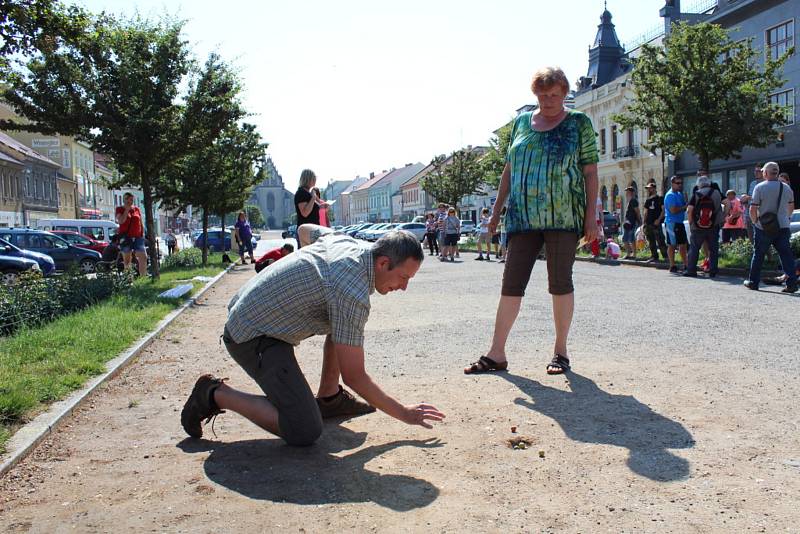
[{"x": 484, "y": 225}]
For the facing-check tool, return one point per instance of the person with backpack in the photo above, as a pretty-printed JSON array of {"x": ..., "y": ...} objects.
[
  {"x": 705, "y": 218},
  {"x": 770, "y": 211}
]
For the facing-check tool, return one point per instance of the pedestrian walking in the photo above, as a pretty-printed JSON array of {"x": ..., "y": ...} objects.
[
  {"x": 484, "y": 236},
  {"x": 323, "y": 289},
  {"x": 734, "y": 226},
  {"x": 705, "y": 219},
  {"x": 675, "y": 214},
  {"x": 771, "y": 208},
  {"x": 431, "y": 235},
  {"x": 172, "y": 242},
  {"x": 633, "y": 219},
  {"x": 550, "y": 182},
  {"x": 653, "y": 217},
  {"x": 452, "y": 231}
]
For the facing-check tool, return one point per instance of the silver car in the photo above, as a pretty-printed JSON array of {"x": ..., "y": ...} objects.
[
  {"x": 794, "y": 223},
  {"x": 418, "y": 229}
]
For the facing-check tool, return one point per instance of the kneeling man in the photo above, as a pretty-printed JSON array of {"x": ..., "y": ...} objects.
[{"x": 322, "y": 289}]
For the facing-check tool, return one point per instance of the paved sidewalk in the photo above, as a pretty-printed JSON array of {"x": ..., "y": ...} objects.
[{"x": 681, "y": 417}]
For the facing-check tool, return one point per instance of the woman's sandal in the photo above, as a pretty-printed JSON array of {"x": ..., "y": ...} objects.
[
  {"x": 560, "y": 364},
  {"x": 485, "y": 365}
]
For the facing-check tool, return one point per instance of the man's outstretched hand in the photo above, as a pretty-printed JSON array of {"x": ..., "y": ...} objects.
[{"x": 420, "y": 414}]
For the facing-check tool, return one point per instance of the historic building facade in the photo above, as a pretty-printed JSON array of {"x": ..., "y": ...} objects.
[{"x": 272, "y": 198}]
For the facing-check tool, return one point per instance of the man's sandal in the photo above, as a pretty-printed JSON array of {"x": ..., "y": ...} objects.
[
  {"x": 558, "y": 365},
  {"x": 485, "y": 365}
]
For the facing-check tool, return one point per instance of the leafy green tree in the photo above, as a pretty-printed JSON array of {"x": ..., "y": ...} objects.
[
  {"x": 218, "y": 179},
  {"x": 705, "y": 93},
  {"x": 119, "y": 88},
  {"x": 28, "y": 26},
  {"x": 453, "y": 177},
  {"x": 254, "y": 215},
  {"x": 495, "y": 158}
]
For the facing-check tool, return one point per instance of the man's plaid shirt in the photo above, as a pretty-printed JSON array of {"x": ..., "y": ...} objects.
[{"x": 323, "y": 288}]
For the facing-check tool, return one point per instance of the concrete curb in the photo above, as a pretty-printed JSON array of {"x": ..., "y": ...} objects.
[
  {"x": 26, "y": 439},
  {"x": 723, "y": 271}
]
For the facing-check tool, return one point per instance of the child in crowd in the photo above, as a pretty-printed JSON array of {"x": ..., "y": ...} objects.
[{"x": 612, "y": 250}]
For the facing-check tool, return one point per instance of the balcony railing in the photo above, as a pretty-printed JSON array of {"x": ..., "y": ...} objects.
[{"x": 625, "y": 152}]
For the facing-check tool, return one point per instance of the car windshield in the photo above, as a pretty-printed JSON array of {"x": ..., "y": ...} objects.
[
  {"x": 4, "y": 243},
  {"x": 466, "y": 221},
  {"x": 796, "y": 216}
]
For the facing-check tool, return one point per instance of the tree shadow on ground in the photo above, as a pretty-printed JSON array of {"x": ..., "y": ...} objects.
[
  {"x": 588, "y": 414},
  {"x": 268, "y": 469}
]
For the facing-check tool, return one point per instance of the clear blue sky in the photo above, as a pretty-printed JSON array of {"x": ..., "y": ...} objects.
[{"x": 352, "y": 86}]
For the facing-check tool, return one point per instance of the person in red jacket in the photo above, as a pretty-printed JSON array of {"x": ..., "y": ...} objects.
[
  {"x": 131, "y": 232},
  {"x": 272, "y": 256}
]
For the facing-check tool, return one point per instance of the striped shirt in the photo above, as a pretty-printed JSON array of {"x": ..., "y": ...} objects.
[{"x": 321, "y": 289}]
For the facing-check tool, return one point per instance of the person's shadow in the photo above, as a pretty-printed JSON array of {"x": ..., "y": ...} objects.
[
  {"x": 268, "y": 469},
  {"x": 588, "y": 414}
]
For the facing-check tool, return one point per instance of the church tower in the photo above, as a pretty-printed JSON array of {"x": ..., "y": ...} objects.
[{"x": 607, "y": 57}]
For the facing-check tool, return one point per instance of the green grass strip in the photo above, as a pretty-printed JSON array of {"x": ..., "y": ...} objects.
[{"x": 44, "y": 364}]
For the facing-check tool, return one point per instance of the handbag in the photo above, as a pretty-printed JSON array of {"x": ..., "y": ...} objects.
[{"x": 769, "y": 220}]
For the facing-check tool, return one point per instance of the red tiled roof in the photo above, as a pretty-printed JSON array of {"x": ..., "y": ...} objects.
[{"x": 372, "y": 181}]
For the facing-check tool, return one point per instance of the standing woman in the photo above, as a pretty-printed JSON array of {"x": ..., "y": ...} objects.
[
  {"x": 550, "y": 181},
  {"x": 243, "y": 235},
  {"x": 306, "y": 202},
  {"x": 452, "y": 231},
  {"x": 131, "y": 232},
  {"x": 431, "y": 235}
]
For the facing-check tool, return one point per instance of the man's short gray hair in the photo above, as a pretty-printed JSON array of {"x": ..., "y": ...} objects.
[{"x": 398, "y": 246}]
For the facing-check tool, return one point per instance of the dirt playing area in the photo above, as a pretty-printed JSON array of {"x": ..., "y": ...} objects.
[{"x": 681, "y": 416}]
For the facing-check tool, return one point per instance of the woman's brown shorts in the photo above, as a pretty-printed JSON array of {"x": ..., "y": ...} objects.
[{"x": 524, "y": 248}]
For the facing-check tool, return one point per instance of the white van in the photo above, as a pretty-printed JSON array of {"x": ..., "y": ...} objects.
[{"x": 102, "y": 230}]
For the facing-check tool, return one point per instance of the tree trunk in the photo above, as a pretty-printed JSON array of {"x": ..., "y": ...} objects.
[
  {"x": 205, "y": 237},
  {"x": 704, "y": 163},
  {"x": 222, "y": 224},
  {"x": 150, "y": 227}
]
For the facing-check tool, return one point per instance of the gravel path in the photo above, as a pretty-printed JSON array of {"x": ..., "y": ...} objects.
[{"x": 681, "y": 416}]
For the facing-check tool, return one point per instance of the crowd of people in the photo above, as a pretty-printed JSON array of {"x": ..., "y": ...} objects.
[{"x": 713, "y": 219}]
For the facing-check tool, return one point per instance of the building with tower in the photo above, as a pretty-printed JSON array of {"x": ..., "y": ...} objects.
[{"x": 273, "y": 199}]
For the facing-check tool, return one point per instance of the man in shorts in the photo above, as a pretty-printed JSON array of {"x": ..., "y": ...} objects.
[
  {"x": 322, "y": 289},
  {"x": 675, "y": 209}
]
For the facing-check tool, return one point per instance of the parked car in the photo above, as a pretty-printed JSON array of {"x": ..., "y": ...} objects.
[
  {"x": 12, "y": 266},
  {"x": 215, "y": 240},
  {"x": 289, "y": 232},
  {"x": 96, "y": 229},
  {"x": 352, "y": 232},
  {"x": 610, "y": 224},
  {"x": 367, "y": 232},
  {"x": 376, "y": 234},
  {"x": 418, "y": 229},
  {"x": 80, "y": 240},
  {"x": 794, "y": 223},
  {"x": 45, "y": 262},
  {"x": 64, "y": 255},
  {"x": 467, "y": 227}
]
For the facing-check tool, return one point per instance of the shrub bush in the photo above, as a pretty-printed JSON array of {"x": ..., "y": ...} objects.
[
  {"x": 189, "y": 257},
  {"x": 795, "y": 242},
  {"x": 34, "y": 300}
]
